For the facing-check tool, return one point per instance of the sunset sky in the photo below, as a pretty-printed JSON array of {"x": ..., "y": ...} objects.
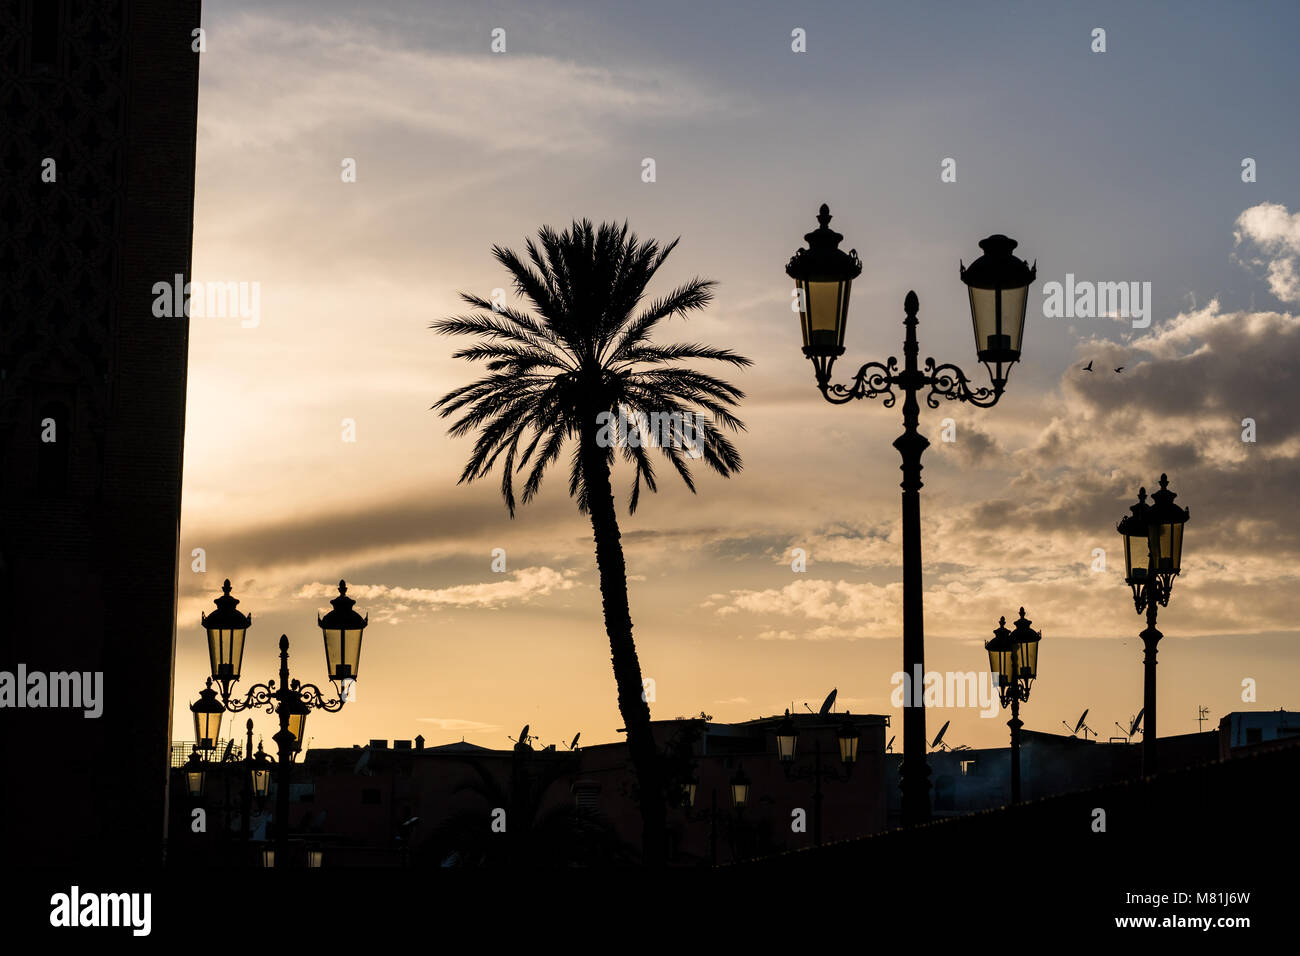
[{"x": 1116, "y": 166}]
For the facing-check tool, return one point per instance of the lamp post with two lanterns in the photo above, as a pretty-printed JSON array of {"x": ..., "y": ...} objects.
[
  {"x": 1153, "y": 550},
  {"x": 1013, "y": 656},
  {"x": 738, "y": 785},
  {"x": 998, "y": 285},
  {"x": 787, "y": 741},
  {"x": 227, "y": 627}
]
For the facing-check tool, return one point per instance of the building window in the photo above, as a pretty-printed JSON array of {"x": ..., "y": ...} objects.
[
  {"x": 1254, "y": 735},
  {"x": 968, "y": 768},
  {"x": 370, "y": 796}
]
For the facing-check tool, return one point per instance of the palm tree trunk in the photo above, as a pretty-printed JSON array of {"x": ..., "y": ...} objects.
[{"x": 627, "y": 668}]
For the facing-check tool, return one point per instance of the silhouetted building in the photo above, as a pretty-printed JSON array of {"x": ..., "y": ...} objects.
[
  {"x": 1244, "y": 732},
  {"x": 98, "y": 105},
  {"x": 968, "y": 780},
  {"x": 434, "y": 806}
]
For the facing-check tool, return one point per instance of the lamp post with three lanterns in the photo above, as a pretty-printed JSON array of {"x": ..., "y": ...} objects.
[{"x": 227, "y": 627}]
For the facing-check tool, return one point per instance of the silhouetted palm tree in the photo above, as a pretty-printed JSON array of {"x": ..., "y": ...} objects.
[{"x": 585, "y": 350}]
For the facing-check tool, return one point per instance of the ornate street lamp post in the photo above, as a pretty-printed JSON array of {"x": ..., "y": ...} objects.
[
  {"x": 1013, "y": 657},
  {"x": 257, "y": 769},
  {"x": 290, "y": 699},
  {"x": 738, "y": 785},
  {"x": 1153, "y": 550},
  {"x": 998, "y": 285},
  {"x": 787, "y": 743}
]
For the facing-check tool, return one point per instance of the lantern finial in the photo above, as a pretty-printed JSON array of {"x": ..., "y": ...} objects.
[{"x": 998, "y": 244}]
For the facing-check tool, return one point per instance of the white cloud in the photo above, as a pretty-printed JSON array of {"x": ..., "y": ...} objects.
[
  {"x": 522, "y": 586},
  {"x": 1276, "y": 234},
  {"x": 314, "y": 80},
  {"x": 458, "y": 724}
]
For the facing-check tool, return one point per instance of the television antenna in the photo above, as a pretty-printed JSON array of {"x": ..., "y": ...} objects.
[{"x": 1202, "y": 715}]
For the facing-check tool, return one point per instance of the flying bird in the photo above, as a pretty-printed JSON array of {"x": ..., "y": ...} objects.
[
  {"x": 1120, "y": 369},
  {"x": 1088, "y": 367}
]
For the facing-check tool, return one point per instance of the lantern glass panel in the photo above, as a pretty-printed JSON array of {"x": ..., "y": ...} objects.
[
  {"x": 1000, "y": 660},
  {"x": 207, "y": 728},
  {"x": 342, "y": 652},
  {"x": 848, "y": 746},
  {"x": 194, "y": 782},
  {"x": 1136, "y": 556},
  {"x": 786, "y": 742},
  {"x": 297, "y": 725},
  {"x": 826, "y": 305},
  {"x": 226, "y": 652},
  {"x": 998, "y": 332},
  {"x": 1166, "y": 544},
  {"x": 261, "y": 781},
  {"x": 1027, "y": 659},
  {"x": 739, "y": 793}
]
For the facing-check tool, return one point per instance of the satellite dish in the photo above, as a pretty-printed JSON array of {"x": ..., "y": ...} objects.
[
  {"x": 361, "y": 764},
  {"x": 829, "y": 702},
  {"x": 889, "y": 747},
  {"x": 523, "y": 735},
  {"x": 230, "y": 745},
  {"x": 939, "y": 736},
  {"x": 1080, "y": 725},
  {"x": 574, "y": 745},
  {"x": 1137, "y": 722}
]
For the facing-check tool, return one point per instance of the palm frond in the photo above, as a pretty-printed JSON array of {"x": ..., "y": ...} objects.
[{"x": 585, "y": 346}]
